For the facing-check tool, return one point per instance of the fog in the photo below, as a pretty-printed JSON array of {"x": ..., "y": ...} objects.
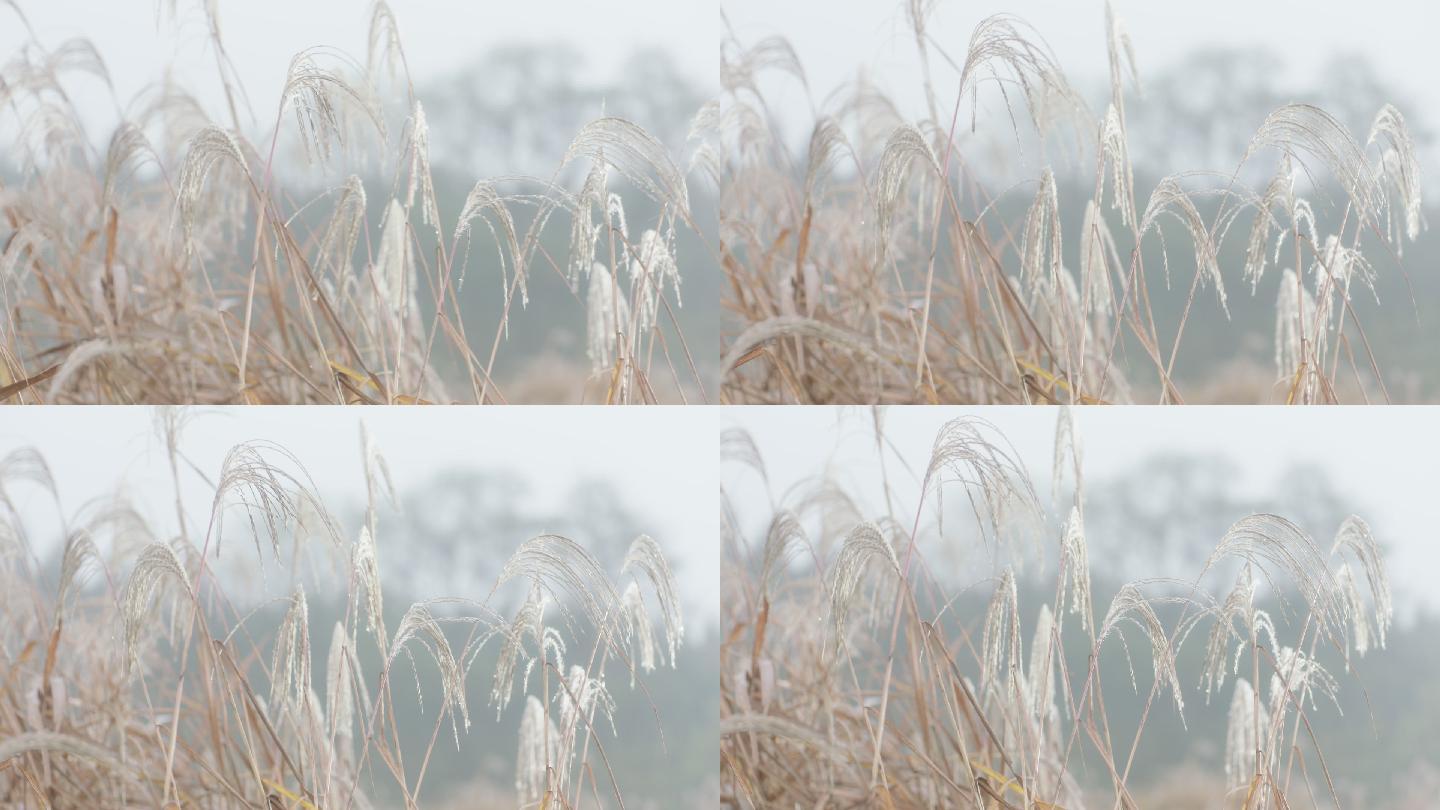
[
  {"x": 139, "y": 44},
  {"x": 647, "y": 460},
  {"x": 1392, "y": 36},
  {"x": 1379, "y": 466}
]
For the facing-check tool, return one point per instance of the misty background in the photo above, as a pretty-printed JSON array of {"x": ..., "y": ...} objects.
[
  {"x": 505, "y": 90},
  {"x": 1209, "y": 74},
  {"x": 1161, "y": 488},
  {"x": 472, "y": 484}
]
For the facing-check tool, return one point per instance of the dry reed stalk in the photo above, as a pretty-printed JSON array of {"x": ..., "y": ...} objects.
[
  {"x": 821, "y": 704},
  {"x": 879, "y": 265}
]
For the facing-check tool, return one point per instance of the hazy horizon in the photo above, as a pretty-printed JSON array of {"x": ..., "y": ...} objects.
[
  {"x": 875, "y": 39},
  {"x": 92, "y": 453},
  {"x": 1388, "y": 489},
  {"x": 138, "y": 43}
]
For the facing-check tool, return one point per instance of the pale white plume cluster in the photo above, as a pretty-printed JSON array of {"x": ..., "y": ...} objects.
[
  {"x": 645, "y": 559},
  {"x": 1130, "y": 607},
  {"x": 1040, "y": 674},
  {"x": 368, "y": 594},
  {"x": 1041, "y": 241},
  {"x": 1075, "y": 562},
  {"x": 1238, "y": 606},
  {"x": 619, "y": 317},
  {"x": 1355, "y": 544},
  {"x": 866, "y": 549},
  {"x": 1170, "y": 200},
  {"x": 383, "y": 52},
  {"x": 1359, "y": 630},
  {"x": 1297, "y": 677},
  {"x": 636, "y": 155},
  {"x": 341, "y": 676},
  {"x": 316, "y": 96},
  {"x": 1291, "y": 307},
  {"x": 1399, "y": 167},
  {"x": 485, "y": 203},
  {"x": 157, "y": 567},
  {"x": 1246, "y": 733},
  {"x": 271, "y": 488},
  {"x": 422, "y": 182},
  {"x": 342, "y": 234},
  {"x": 561, "y": 572},
  {"x": 1067, "y": 445},
  {"x": 906, "y": 145},
  {"x": 1280, "y": 191},
  {"x": 1005, "y": 49},
  {"x": 1307, "y": 316},
  {"x": 394, "y": 271},
  {"x": 1303, "y": 129},
  {"x": 1297, "y": 680},
  {"x": 584, "y": 232},
  {"x": 581, "y": 699},
  {"x": 420, "y": 626},
  {"x": 1281, "y": 551},
  {"x": 607, "y": 318},
  {"x": 616, "y": 320},
  {"x": 565, "y": 573},
  {"x": 1045, "y": 734},
  {"x": 529, "y": 625},
  {"x": 1115, "y": 153},
  {"x": 79, "y": 561},
  {"x": 1098, "y": 254},
  {"x": 971, "y": 452},
  {"x": 290, "y": 660},
  {"x": 1001, "y": 641},
  {"x": 652, "y": 268},
  {"x": 1253, "y": 748},
  {"x": 781, "y": 540},
  {"x": 377, "y": 476},
  {"x": 209, "y": 148},
  {"x": 637, "y": 617},
  {"x": 539, "y": 741}
]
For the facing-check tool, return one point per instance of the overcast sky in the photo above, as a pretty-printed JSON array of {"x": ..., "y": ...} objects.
[
  {"x": 1396, "y": 36},
  {"x": 1382, "y": 458},
  {"x": 660, "y": 461},
  {"x": 440, "y": 37}
]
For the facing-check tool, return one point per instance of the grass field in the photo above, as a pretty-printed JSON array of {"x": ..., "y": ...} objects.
[
  {"x": 887, "y": 260},
  {"x": 865, "y": 666},
  {"x": 293, "y": 249},
  {"x": 148, "y": 669}
]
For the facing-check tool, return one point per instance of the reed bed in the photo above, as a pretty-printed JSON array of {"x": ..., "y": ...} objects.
[
  {"x": 883, "y": 263},
  {"x": 187, "y": 257},
  {"x": 860, "y": 668},
  {"x": 137, "y": 673}
]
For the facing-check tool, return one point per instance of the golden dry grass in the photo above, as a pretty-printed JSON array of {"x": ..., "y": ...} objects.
[
  {"x": 880, "y": 264},
  {"x": 191, "y": 258},
  {"x": 858, "y": 669},
  {"x": 144, "y": 670}
]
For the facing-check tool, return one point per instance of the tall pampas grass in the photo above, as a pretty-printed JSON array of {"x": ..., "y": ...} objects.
[
  {"x": 882, "y": 264},
  {"x": 932, "y": 696},
  {"x": 188, "y": 260},
  {"x": 151, "y": 681}
]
